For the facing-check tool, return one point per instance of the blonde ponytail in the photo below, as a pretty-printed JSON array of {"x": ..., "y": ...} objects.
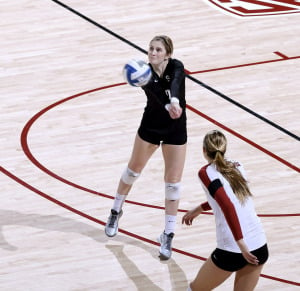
[{"x": 215, "y": 145}]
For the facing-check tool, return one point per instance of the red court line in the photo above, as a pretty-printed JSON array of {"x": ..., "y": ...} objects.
[
  {"x": 30, "y": 156},
  {"x": 283, "y": 58},
  {"x": 36, "y": 116},
  {"x": 281, "y": 55},
  {"x": 74, "y": 210},
  {"x": 244, "y": 139}
]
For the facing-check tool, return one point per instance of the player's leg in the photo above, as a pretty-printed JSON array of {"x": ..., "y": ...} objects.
[
  {"x": 174, "y": 158},
  {"x": 141, "y": 153},
  {"x": 246, "y": 279},
  {"x": 209, "y": 277}
]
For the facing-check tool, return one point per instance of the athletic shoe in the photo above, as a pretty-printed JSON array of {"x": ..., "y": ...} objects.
[
  {"x": 111, "y": 227},
  {"x": 165, "y": 250}
]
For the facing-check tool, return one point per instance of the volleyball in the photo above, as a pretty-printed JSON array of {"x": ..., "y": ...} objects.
[{"x": 137, "y": 73}]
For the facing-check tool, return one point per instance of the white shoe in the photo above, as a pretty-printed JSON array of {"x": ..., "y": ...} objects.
[
  {"x": 111, "y": 227},
  {"x": 165, "y": 250}
]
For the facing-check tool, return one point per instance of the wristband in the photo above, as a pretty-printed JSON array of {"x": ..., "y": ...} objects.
[{"x": 174, "y": 100}]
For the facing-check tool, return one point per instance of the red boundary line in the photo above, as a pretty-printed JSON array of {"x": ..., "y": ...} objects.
[
  {"x": 74, "y": 210},
  {"x": 283, "y": 58},
  {"x": 39, "y": 165},
  {"x": 244, "y": 139},
  {"x": 27, "y": 151},
  {"x": 44, "y": 169},
  {"x": 36, "y": 116}
]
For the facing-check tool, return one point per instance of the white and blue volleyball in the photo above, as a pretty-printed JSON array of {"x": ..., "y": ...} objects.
[{"x": 137, "y": 73}]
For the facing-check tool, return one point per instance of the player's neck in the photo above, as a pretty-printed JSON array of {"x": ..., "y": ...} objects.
[{"x": 160, "y": 68}]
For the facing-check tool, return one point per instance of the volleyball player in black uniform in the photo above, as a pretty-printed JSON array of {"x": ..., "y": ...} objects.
[
  {"x": 157, "y": 125},
  {"x": 163, "y": 123}
]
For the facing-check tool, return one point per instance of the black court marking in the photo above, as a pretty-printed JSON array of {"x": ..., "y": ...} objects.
[
  {"x": 100, "y": 26},
  {"x": 245, "y": 108},
  {"x": 188, "y": 76}
]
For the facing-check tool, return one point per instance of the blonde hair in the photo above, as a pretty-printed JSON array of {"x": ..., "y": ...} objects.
[
  {"x": 166, "y": 41},
  {"x": 215, "y": 144}
]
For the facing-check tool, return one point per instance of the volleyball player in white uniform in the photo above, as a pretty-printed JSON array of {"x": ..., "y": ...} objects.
[{"x": 241, "y": 241}]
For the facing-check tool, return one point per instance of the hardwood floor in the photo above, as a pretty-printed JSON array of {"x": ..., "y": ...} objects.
[{"x": 68, "y": 122}]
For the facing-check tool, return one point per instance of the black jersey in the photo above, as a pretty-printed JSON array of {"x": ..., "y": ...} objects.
[{"x": 156, "y": 120}]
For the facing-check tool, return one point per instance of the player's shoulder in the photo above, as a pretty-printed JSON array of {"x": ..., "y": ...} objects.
[
  {"x": 176, "y": 63},
  {"x": 207, "y": 171}
]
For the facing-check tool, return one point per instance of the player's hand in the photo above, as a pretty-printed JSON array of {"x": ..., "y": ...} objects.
[
  {"x": 190, "y": 215},
  {"x": 250, "y": 258},
  {"x": 175, "y": 110}
]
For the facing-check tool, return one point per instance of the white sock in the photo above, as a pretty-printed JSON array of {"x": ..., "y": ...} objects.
[
  {"x": 170, "y": 223},
  {"x": 118, "y": 202},
  {"x": 189, "y": 289}
]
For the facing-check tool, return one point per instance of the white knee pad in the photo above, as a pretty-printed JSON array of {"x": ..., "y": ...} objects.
[
  {"x": 172, "y": 191},
  {"x": 129, "y": 176}
]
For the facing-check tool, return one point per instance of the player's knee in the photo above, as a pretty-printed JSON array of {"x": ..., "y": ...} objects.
[
  {"x": 172, "y": 191},
  {"x": 129, "y": 176}
]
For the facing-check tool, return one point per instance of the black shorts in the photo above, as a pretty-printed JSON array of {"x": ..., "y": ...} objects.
[
  {"x": 174, "y": 138},
  {"x": 232, "y": 262}
]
